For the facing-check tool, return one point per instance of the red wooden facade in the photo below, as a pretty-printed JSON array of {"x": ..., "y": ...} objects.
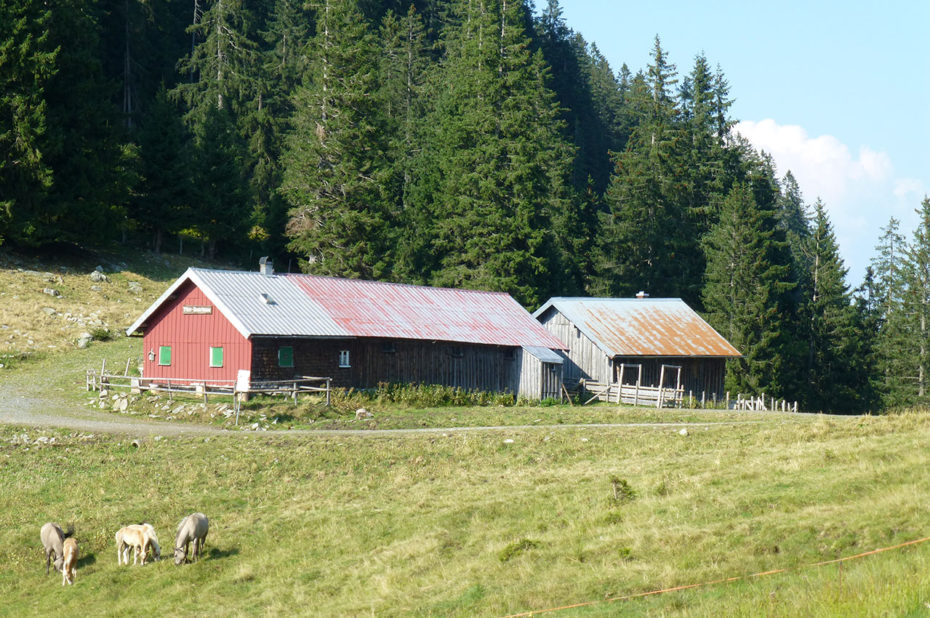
[{"x": 191, "y": 333}]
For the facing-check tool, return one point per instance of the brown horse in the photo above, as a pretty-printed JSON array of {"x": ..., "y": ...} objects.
[{"x": 69, "y": 561}]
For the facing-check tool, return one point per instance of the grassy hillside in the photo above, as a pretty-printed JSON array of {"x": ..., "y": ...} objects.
[{"x": 485, "y": 523}]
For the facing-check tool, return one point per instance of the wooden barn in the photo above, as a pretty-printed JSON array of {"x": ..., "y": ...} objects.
[
  {"x": 656, "y": 342},
  {"x": 261, "y": 326}
]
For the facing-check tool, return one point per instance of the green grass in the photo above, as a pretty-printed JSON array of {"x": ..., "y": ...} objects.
[{"x": 418, "y": 524}]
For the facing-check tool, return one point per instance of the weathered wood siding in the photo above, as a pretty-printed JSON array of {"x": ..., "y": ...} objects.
[
  {"x": 469, "y": 366},
  {"x": 190, "y": 337},
  {"x": 698, "y": 375},
  {"x": 536, "y": 379},
  {"x": 583, "y": 359}
]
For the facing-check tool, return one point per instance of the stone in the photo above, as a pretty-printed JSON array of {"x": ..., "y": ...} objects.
[
  {"x": 97, "y": 276},
  {"x": 683, "y": 432},
  {"x": 363, "y": 413},
  {"x": 84, "y": 340},
  {"x": 49, "y": 311},
  {"x": 51, "y": 292},
  {"x": 135, "y": 287}
]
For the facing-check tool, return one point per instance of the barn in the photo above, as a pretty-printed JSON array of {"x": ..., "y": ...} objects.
[
  {"x": 263, "y": 326},
  {"x": 656, "y": 342}
]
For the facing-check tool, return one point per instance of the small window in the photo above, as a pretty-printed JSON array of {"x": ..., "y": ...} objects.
[
  {"x": 344, "y": 358},
  {"x": 286, "y": 356},
  {"x": 164, "y": 355},
  {"x": 216, "y": 357}
]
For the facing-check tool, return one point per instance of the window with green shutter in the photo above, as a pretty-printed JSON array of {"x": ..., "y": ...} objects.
[
  {"x": 164, "y": 355},
  {"x": 216, "y": 357},
  {"x": 286, "y": 356}
]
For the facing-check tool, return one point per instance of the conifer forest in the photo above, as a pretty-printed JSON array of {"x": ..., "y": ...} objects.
[{"x": 463, "y": 143}]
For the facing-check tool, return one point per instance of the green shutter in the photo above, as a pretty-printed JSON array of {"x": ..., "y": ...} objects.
[
  {"x": 164, "y": 355},
  {"x": 286, "y": 356},
  {"x": 216, "y": 357}
]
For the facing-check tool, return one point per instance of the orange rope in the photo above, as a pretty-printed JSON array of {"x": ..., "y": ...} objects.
[{"x": 717, "y": 581}]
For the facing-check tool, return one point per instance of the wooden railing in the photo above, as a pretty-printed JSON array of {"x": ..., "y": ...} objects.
[
  {"x": 655, "y": 396},
  {"x": 293, "y": 387}
]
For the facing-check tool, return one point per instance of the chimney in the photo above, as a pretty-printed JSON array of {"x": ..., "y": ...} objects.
[
  {"x": 642, "y": 294},
  {"x": 265, "y": 266}
]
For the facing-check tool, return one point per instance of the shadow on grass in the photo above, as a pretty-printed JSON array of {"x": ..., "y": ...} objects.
[
  {"x": 86, "y": 560},
  {"x": 214, "y": 553}
]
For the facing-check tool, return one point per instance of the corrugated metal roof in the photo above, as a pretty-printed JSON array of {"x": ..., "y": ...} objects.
[
  {"x": 642, "y": 327},
  {"x": 311, "y": 306},
  {"x": 544, "y": 354}
]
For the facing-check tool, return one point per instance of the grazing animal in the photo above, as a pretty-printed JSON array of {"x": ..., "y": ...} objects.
[
  {"x": 139, "y": 537},
  {"x": 52, "y": 540},
  {"x": 194, "y": 528},
  {"x": 69, "y": 561}
]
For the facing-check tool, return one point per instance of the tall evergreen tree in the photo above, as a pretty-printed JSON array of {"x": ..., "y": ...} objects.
[
  {"x": 916, "y": 312},
  {"x": 334, "y": 166},
  {"x": 491, "y": 183},
  {"x": 163, "y": 200},
  {"x": 27, "y": 62},
  {"x": 832, "y": 336},
  {"x": 744, "y": 292},
  {"x": 889, "y": 286}
]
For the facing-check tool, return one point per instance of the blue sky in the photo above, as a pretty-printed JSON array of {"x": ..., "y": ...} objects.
[{"x": 837, "y": 92}]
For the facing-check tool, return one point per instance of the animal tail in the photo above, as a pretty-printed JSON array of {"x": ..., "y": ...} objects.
[{"x": 70, "y": 532}]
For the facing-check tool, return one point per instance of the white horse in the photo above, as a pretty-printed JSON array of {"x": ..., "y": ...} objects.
[
  {"x": 141, "y": 538},
  {"x": 52, "y": 540},
  {"x": 69, "y": 561},
  {"x": 194, "y": 528}
]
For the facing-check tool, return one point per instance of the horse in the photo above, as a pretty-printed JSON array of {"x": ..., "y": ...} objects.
[
  {"x": 141, "y": 538},
  {"x": 52, "y": 540},
  {"x": 194, "y": 528},
  {"x": 69, "y": 561}
]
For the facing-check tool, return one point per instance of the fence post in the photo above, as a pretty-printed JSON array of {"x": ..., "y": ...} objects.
[
  {"x": 328, "y": 380},
  {"x": 295, "y": 393},
  {"x": 204, "y": 392},
  {"x": 659, "y": 400}
]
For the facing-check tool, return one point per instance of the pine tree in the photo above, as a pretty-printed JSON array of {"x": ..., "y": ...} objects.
[
  {"x": 334, "y": 165},
  {"x": 491, "y": 189},
  {"x": 831, "y": 334},
  {"x": 648, "y": 237},
  {"x": 916, "y": 312},
  {"x": 220, "y": 192},
  {"x": 744, "y": 293},
  {"x": 163, "y": 198},
  {"x": 28, "y": 62},
  {"x": 887, "y": 270}
]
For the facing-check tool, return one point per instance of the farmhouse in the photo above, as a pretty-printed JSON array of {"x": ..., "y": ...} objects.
[
  {"x": 261, "y": 326},
  {"x": 658, "y": 342}
]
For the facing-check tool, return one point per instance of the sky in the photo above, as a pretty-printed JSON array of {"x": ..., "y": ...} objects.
[{"x": 837, "y": 92}]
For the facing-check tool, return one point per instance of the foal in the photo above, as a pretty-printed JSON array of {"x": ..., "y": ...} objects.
[
  {"x": 140, "y": 537},
  {"x": 69, "y": 561}
]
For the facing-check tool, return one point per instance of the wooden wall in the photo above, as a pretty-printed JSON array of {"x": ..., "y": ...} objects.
[
  {"x": 536, "y": 379},
  {"x": 191, "y": 336},
  {"x": 697, "y": 374},
  {"x": 469, "y": 366},
  {"x": 583, "y": 359}
]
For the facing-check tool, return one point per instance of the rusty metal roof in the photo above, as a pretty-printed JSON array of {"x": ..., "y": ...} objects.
[
  {"x": 311, "y": 306},
  {"x": 642, "y": 327}
]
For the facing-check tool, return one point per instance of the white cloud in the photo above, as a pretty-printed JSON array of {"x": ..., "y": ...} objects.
[{"x": 859, "y": 191}]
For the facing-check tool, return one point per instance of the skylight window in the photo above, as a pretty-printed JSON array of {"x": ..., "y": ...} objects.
[{"x": 266, "y": 299}]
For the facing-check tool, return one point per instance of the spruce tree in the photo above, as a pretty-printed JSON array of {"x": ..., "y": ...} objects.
[
  {"x": 888, "y": 289},
  {"x": 832, "y": 336},
  {"x": 334, "y": 164},
  {"x": 744, "y": 293},
  {"x": 915, "y": 351},
  {"x": 28, "y": 61},
  {"x": 491, "y": 189}
]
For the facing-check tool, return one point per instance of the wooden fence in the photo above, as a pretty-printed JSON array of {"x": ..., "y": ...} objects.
[
  {"x": 655, "y": 396},
  {"x": 204, "y": 388}
]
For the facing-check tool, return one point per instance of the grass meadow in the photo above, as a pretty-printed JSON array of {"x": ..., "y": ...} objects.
[{"x": 485, "y": 523}]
